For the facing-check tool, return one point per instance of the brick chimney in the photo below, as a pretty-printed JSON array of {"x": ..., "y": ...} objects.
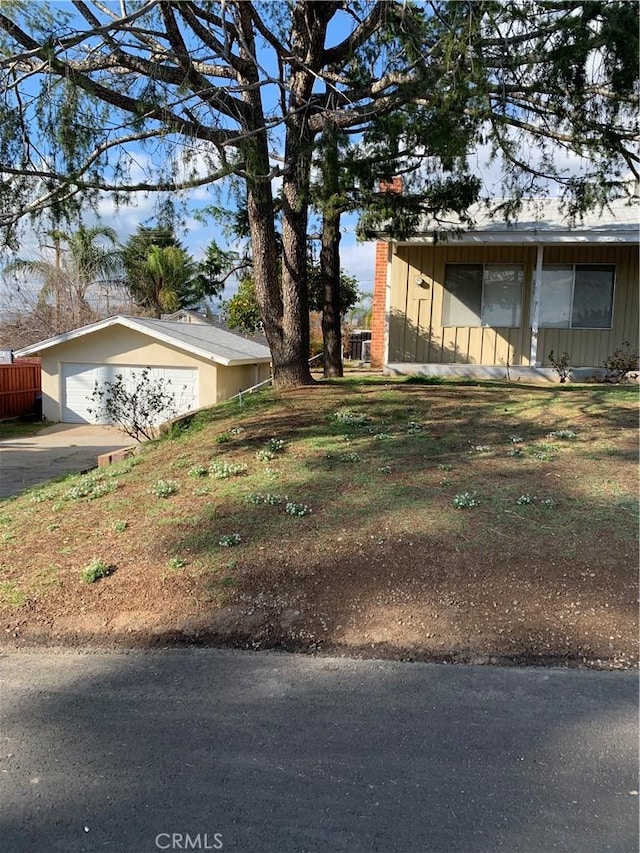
[{"x": 379, "y": 306}]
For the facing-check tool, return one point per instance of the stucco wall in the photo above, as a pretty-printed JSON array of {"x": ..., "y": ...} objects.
[
  {"x": 119, "y": 345},
  {"x": 416, "y": 333}
]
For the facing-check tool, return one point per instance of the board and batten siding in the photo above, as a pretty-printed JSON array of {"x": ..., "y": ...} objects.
[{"x": 416, "y": 334}]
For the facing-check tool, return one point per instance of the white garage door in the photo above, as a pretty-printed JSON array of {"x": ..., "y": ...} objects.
[{"x": 78, "y": 383}]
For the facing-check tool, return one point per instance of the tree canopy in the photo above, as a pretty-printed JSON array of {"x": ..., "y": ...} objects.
[{"x": 172, "y": 95}]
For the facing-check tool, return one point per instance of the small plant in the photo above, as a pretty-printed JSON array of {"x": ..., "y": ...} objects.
[
  {"x": 349, "y": 418},
  {"x": 548, "y": 502},
  {"x": 561, "y": 365},
  {"x": 229, "y": 540},
  {"x": 95, "y": 570},
  {"x": 265, "y": 455},
  {"x": 297, "y": 510},
  {"x": 466, "y": 500},
  {"x": 523, "y": 500},
  {"x": 515, "y": 452},
  {"x": 446, "y": 481},
  {"x": 381, "y": 436},
  {"x": 222, "y": 438},
  {"x": 91, "y": 488},
  {"x": 119, "y": 526},
  {"x": 444, "y": 466},
  {"x": 221, "y": 470},
  {"x": 165, "y": 488},
  {"x": 385, "y": 469},
  {"x": 176, "y": 563},
  {"x": 413, "y": 427},
  {"x": 275, "y": 445},
  {"x": 351, "y": 456},
  {"x": 515, "y": 439},
  {"x": 623, "y": 361},
  {"x": 567, "y": 434},
  {"x": 236, "y": 430},
  {"x": 259, "y": 499},
  {"x": 52, "y": 527},
  {"x": 198, "y": 471}
]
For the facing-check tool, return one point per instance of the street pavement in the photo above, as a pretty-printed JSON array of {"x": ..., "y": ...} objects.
[
  {"x": 53, "y": 452},
  {"x": 194, "y": 749}
]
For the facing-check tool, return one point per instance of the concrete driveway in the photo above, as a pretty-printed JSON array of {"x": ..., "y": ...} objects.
[{"x": 57, "y": 450}]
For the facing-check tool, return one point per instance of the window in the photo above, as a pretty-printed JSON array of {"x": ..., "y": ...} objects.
[
  {"x": 577, "y": 296},
  {"x": 482, "y": 295}
]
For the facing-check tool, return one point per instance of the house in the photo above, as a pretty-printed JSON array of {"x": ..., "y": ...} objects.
[
  {"x": 204, "y": 364},
  {"x": 494, "y": 301}
]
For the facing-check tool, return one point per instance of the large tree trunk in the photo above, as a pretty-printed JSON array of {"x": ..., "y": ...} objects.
[
  {"x": 285, "y": 314},
  {"x": 331, "y": 313},
  {"x": 330, "y": 257}
]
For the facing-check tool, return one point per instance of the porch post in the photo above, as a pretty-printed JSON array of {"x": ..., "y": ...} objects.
[{"x": 535, "y": 308}]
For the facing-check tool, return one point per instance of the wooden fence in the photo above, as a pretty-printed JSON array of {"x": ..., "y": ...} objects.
[{"x": 19, "y": 387}]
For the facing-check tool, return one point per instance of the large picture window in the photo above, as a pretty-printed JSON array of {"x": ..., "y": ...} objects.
[
  {"x": 482, "y": 295},
  {"x": 577, "y": 296}
]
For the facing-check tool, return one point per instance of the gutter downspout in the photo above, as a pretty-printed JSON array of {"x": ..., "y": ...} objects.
[{"x": 535, "y": 308}]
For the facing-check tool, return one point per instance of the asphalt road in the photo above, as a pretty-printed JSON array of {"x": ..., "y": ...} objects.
[{"x": 270, "y": 753}]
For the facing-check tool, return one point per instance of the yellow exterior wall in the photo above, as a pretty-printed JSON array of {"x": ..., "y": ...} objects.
[
  {"x": 119, "y": 345},
  {"x": 416, "y": 334}
]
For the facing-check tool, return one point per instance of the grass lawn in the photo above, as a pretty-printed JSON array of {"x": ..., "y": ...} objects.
[
  {"x": 18, "y": 428},
  {"x": 468, "y": 522}
]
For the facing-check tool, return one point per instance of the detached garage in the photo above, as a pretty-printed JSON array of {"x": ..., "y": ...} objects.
[{"x": 204, "y": 364}]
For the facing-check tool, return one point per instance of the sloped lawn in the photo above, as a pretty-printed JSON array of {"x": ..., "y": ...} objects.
[{"x": 434, "y": 522}]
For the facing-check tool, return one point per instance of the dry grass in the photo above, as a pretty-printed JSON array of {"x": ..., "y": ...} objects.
[{"x": 542, "y": 567}]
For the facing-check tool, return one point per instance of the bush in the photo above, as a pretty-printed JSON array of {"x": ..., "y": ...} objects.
[
  {"x": 137, "y": 408},
  {"x": 561, "y": 365},
  {"x": 623, "y": 361}
]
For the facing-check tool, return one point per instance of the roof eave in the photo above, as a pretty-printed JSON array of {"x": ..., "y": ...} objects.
[
  {"x": 131, "y": 323},
  {"x": 525, "y": 238}
]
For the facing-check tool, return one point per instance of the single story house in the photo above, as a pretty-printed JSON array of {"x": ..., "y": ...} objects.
[
  {"x": 205, "y": 364},
  {"x": 495, "y": 300}
]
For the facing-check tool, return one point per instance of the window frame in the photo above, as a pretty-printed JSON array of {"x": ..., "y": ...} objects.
[
  {"x": 574, "y": 266},
  {"x": 482, "y": 325}
]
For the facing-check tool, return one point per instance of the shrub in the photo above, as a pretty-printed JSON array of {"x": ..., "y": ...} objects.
[
  {"x": 137, "y": 407},
  {"x": 561, "y": 365},
  {"x": 621, "y": 363}
]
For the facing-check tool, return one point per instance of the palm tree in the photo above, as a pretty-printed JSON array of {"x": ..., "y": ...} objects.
[
  {"x": 165, "y": 276},
  {"x": 81, "y": 259}
]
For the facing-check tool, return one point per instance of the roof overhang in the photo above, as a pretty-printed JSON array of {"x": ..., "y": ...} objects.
[
  {"x": 131, "y": 323},
  {"x": 535, "y": 237}
]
